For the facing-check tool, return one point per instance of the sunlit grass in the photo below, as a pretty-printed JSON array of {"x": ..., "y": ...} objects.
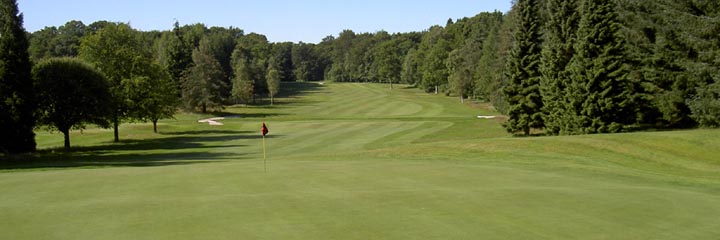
[{"x": 360, "y": 161}]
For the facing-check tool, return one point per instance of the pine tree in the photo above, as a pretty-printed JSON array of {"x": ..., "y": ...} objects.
[
  {"x": 600, "y": 94},
  {"x": 523, "y": 87},
  {"x": 17, "y": 97},
  {"x": 203, "y": 83},
  {"x": 557, "y": 53}
]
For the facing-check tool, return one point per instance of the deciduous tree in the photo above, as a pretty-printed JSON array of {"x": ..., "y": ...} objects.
[{"x": 71, "y": 93}]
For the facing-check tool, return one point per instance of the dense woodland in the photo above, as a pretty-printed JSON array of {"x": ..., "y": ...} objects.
[{"x": 552, "y": 66}]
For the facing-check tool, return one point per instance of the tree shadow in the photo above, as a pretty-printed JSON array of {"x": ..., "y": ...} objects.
[
  {"x": 181, "y": 148},
  {"x": 205, "y": 132},
  {"x": 243, "y": 115}
]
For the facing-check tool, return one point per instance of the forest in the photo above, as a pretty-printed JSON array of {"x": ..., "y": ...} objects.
[{"x": 553, "y": 67}]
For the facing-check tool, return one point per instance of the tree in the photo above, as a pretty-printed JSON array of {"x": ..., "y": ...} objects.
[
  {"x": 557, "y": 53},
  {"x": 409, "y": 73},
  {"x": 117, "y": 52},
  {"x": 523, "y": 90},
  {"x": 177, "y": 57},
  {"x": 17, "y": 96},
  {"x": 431, "y": 55},
  {"x": 460, "y": 79},
  {"x": 151, "y": 97},
  {"x": 282, "y": 55},
  {"x": 388, "y": 57},
  {"x": 203, "y": 83},
  {"x": 273, "y": 81},
  {"x": 705, "y": 106},
  {"x": 599, "y": 93},
  {"x": 243, "y": 87},
  {"x": 71, "y": 93}
]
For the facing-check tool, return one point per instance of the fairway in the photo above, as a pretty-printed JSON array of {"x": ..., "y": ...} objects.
[{"x": 361, "y": 161}]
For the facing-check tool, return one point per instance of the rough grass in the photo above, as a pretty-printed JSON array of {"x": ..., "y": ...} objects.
[{"x": 359, "y": 161}]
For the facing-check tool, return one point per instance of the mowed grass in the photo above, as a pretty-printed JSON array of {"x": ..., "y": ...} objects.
[{"x": 361, "y": 161}]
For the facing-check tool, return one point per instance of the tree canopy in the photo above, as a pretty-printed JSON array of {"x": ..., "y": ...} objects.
[{"x": 71, "y": 94}]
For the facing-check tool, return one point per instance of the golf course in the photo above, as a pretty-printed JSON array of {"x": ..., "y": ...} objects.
[{"x": 361, "y": 161}]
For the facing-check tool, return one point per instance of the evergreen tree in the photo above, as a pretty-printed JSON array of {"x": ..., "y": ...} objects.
[
  {"x": 600, "y": 94},
  {"x": 17, "y": 97},
  {"x": 203, "y": 83},
  {"x": 177, "y": 58},
  {"x": 556, "y": 55},
  {"x": 523, "y": 87}
]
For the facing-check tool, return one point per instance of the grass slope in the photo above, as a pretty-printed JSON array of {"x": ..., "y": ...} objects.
[{"x": 359, "y": 161}]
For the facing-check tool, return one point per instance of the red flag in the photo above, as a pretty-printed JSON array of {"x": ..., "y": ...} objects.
[{"x": 264, "y": 130}]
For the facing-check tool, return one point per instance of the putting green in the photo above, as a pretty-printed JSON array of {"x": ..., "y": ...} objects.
[{"x": 360, "y": 161}]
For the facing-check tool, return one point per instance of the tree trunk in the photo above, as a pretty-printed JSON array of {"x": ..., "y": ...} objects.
[
  {"x": 66, "y": 132},
  {"x": 271, "y": 100},
  {"x": 391, "y": 87},
  {"x": 527, "y": 131},
  {"x": 204, "y": 108},
  {"x": 462, "y": 100},
  {"x": 154, "y": 121},
  {"x": 436, "y": 90},
  {"x": 116, "y": 124}
]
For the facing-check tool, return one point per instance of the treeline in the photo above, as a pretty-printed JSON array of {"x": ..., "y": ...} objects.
[
  {"x": 594, "y": 66},
  {"x": 555, "y": 67}
]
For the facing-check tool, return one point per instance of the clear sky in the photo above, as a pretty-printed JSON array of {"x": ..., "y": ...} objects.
[{"x": 279, "y": 20}]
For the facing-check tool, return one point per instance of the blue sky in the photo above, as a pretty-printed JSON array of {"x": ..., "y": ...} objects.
[{"x": 279, "y": 20}]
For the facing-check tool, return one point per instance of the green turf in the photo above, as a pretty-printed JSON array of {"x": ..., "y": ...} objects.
[{"x": 360, "y": 161}]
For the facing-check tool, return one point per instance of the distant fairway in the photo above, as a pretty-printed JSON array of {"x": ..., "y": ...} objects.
[{"x": 361, "y": 161}]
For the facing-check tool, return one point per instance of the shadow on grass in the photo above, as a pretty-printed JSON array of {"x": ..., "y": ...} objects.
[
  {"x": 181, "y": 148},
  {"x": 206, "y": 132},
  {"x": 243, "y": 115}
]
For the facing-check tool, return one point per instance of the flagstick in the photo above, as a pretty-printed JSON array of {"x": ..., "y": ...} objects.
[{"x": 264, "y": 158}]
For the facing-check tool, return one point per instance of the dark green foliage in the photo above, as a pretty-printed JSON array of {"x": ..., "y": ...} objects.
[
  {"x": 273, "y": 82},
  {"x": 488, "y": 72},
  {"x": 63, "y": 41},
  {"x": 666, "y": 55},
  {"x": 177, "y": 57},
  {"x": 705, "y": 106},
  {"x": 307, "y": 62},
  {"x": 282, "y": 58},
  {"x": 152, "y": 96},
  {"x": 409, "y": 73},
  {"x": 243, "y": 86},
  {"x": 119, "y": 52},
  {"x": 674, "y": 46},
  {"x": 600, "y": 94},
  {"x": 203, "y": 84},
  {"x": 71, "y": 93},
  {"x": 523, "y": 88},
  {"x": 434, "y": 50},
  {"x": 558, "y": 51},
  {"x": 17, "y": 97}
]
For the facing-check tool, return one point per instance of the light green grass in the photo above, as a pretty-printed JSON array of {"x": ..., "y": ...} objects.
[{"x": 359, "y": 161}]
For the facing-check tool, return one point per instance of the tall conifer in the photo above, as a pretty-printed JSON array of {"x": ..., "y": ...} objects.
[
  {"x": 558, "y": 50},
  {"x": 522, "y": 90},
  {"x": 17, "y": 97},
  {"x": 600, "y": 94}
]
